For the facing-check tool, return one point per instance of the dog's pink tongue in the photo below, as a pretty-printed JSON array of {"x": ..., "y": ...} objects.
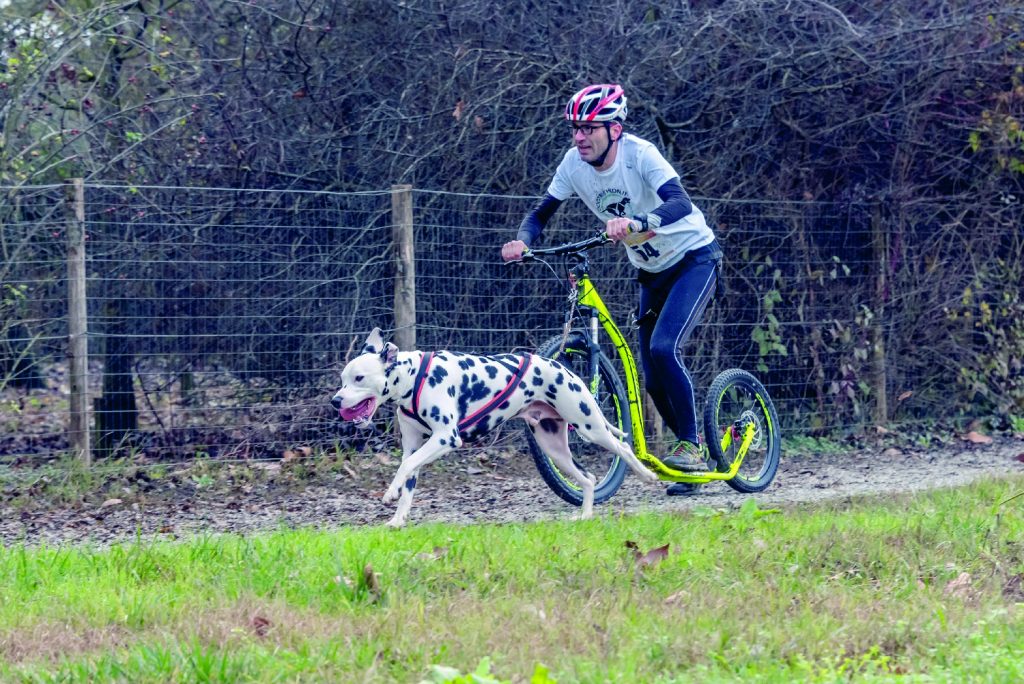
[{"x": 355, "y": 411}]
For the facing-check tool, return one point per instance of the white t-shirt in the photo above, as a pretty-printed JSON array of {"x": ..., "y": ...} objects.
[{"x": 630, "y": 187}]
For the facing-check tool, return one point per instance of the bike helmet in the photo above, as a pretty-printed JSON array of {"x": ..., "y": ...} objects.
[{"x": 604, "y": 102}]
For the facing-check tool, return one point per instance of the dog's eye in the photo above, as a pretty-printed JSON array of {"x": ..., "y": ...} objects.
[{"x": 359, "y": 378}]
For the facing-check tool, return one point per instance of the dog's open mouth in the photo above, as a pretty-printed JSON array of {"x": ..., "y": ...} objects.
[{"x": 361, "y": 412}]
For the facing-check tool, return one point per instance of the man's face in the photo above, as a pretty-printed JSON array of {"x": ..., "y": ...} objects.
[{"x": 592, "y": 139}]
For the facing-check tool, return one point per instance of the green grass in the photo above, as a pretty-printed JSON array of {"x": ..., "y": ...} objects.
[{"x": 923, "y": 589}]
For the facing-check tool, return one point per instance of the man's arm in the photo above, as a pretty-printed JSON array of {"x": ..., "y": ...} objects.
[
  {"x": 675, "y": 205},
  {"x": 538, "y": 217}
]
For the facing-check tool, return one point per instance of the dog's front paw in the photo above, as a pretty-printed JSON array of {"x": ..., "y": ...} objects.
[{"x": 394, "y": 491}]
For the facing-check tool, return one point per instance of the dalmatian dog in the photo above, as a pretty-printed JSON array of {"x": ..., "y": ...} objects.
[{"x": 446, "y": 398}]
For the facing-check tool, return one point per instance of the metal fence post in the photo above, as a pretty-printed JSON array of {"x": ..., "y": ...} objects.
[
  {"x": 405, "y": 267},
  {"x": 78, "y": 342}
]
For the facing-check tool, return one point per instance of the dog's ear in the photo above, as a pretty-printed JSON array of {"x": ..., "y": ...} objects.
[
  {"x": 374, "y": 343},
  {"x": 390, "y": 352}
]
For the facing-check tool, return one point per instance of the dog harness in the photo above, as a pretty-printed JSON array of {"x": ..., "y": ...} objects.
[{"x": 482, "y": 412}]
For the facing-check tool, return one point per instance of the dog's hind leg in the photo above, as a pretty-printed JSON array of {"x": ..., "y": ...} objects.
[
  {"x": 603, "y": 436},
  {"x": 552, "y": 436}
]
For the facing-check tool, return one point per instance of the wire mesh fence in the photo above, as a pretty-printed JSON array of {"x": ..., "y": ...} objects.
[{"x": 219, "y": 319}]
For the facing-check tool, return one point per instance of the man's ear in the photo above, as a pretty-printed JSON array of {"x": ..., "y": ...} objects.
[
  {"x": 374, "y": 343},
  {"x": 616, "y": 130}
]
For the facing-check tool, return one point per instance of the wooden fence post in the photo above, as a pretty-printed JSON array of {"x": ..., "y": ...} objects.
[
  {"x": 405, "y": 267},
  {"x": 78, "y": 341}
]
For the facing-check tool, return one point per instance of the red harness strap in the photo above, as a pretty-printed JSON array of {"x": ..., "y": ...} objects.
[
  {"x": 478, "y": 415},
  {"x": 417, "y": 387}
]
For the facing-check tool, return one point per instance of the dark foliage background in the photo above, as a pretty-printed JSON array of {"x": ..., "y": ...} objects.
[{"x": 862, "y": 163}]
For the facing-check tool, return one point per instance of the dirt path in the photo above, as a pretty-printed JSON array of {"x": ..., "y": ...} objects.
[{"x": 461, "y": 490}]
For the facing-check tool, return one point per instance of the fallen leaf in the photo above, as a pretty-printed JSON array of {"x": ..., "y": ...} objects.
[
  {"x": 904, "y": 396},
  {"x": 438, "y": 552},
  {"x": 1014, "y": 589},
  {"x": 260, "y": 625},
  {"x": 371, "y": 581},
  {"x": 961, "y": 586},
  {"x": 111, "y": 502},
  {"x": 652, "y": 557},
  {"x": 977, "y": 438},
  {"x": 457, "y": 113},
  {"x": 675, "y": 598}
]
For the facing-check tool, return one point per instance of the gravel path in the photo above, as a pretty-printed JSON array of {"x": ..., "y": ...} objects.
[{"x": 462, "y": 489}]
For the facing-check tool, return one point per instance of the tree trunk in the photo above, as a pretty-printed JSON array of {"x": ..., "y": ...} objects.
[{"x": 117, "y": 415}]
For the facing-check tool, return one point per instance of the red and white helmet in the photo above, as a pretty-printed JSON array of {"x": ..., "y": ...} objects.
[{"x": 604, "y": 102}]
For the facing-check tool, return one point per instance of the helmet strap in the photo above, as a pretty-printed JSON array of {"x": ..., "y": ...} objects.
[{"x": 604, "y": 155}]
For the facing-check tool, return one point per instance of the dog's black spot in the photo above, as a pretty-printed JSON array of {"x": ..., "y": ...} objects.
[
  {"x": 587, "y": 426},
  {"x": 551, "y": 392},
  {"x": 407, "y": 394},
  {"x": 395, "y": 381},
  {"x": 522, "y": 384},
  {"x": 559, "y": 379},
  {"x": 492, "y": 372},
  {"x": 466, "y": 363},
  {"x": 451, "y": 391},
  {"x": 529, "y": 393},
  {"x": 538, "y": 381},
  {"x": 469, "y": 392},
  {"x": 435, "y": 413},
  {"x": 536, "y": 370},
  {"x": 584, "y": 408},
  {"x": 575, "y": 388},
  {"x": 437, "y": 375},
  {"x": 548, "y": 425},
  {"x": 478, "y": 430},
  {"x": 503, "y": 406},
  {"x": 410, "y": 484}
]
